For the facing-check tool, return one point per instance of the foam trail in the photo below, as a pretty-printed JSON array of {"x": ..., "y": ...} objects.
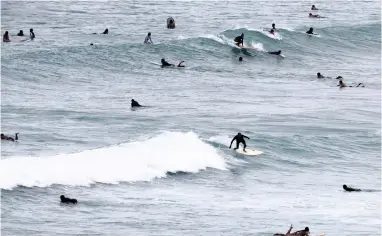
[
  {"x": 138, "y": 161},
  {"x": 258, "y": 46}
]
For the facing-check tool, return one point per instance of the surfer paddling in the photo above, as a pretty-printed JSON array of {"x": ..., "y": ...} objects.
[
  {"x": 239, "y": 139},
  {"x": 315, "y": 16},
  {"x": 4, "y": 137},
  {"x": 166, "y": 64},
  {"x": 347, "y": 189},
  {"x": 276, "y": 53},
  {"x": 304, "y": 232},
  {"x": 314, "y": 8}
]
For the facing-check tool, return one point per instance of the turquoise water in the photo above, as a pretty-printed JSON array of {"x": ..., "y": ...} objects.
[{"x": 166, "y": 169}]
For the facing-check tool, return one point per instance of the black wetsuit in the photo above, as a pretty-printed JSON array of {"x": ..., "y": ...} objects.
[
  {"x": 310, "y": 31},
  {"x": 135, "y": 103},
  {"x": 275, "y": 53},
  {"x": 3, "y": 137},
  {"x": 165, "y": 63},
  {"x": 68, "y": 200},
  {"x": 239, "y": 40},
  {"x": 239, "y": 139},
  {"x": 346, "y": 188}
]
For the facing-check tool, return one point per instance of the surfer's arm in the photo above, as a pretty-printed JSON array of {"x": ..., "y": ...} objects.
[
  {"x": 290, "y": 229},
  {"x": 246, "y": 137}
]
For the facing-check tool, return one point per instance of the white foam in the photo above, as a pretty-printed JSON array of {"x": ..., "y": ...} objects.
[
  {"x": 258, "y": 46},
  {"x": 137, "y": 161}
]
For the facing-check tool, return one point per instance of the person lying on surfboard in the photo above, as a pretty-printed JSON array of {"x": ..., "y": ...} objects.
[
  {"x": 239, "y": 139},
  {"x": 314, "y": 8},
  {"x": 165, "y": 63},
  {"x": 304, "y": 232},
  {"x": 346, "y": 188},
  {"x": 4, "y": 137},
  {"x": 275, "y": 53},
  {"x": 315, "y": 16},
  {"x": 239, "y": 40}
]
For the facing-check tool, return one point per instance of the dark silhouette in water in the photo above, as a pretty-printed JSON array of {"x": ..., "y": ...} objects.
[
  {"x": 4, "y": 137},
  {"x": 68, "y": 200}
]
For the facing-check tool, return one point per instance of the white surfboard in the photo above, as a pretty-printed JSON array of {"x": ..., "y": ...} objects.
[{"x": 249, "y": 152}]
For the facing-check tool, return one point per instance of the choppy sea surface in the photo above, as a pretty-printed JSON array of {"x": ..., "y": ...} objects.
[{"x": 166, "y": 169}]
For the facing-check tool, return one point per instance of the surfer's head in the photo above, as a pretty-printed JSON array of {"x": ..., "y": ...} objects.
[
  {"x": 162, "y": 60},
  {"x": 279, "y": 52},
  {"x": 240, "y": 59},
  {"x": 242, "y": 35},
  {"x": 2, "y": 135},
  {"x": 339, "y": 77},
  {"x": 6, "y": 33},
  {"x": 91, "y": 44},
  {"x": 310, "y": 14},
  {"x": 106, "y": 31},
  {"x": 21, "y": 32},
  {"x": 149, "y": 34},
  {"x": 238, "y": 133},
  {"x": 344, "y": 186},
  {"x": 313, "y": 6},
  {"x": 318, "y": 74},
  {"x": 31, "y": 30},
  {"x": 306, "y": 229}
]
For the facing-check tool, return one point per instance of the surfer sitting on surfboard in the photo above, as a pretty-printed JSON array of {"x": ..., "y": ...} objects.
[
  {"x": 134, "y": 103},
  {"x": 165, "y": 63},
  {"x": 239, "y": 139},
  {"x": 21, "y": 33},
  {"x": 239, "y": 40},
  {"x": 6, "y": 37},
  {"x": 310, "y": 31},
  {"x": 31, "y": 34},
  {"x": 148, "y": 39}
]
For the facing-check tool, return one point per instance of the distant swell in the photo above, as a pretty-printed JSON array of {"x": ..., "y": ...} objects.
[{"x": 170, "y": 152}]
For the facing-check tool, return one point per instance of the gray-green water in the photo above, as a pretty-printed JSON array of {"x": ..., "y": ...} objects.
[{"x": 167, "y": 169}]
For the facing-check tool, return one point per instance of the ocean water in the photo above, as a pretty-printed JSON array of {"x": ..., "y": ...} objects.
[{"x": 166, "y": 169}]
